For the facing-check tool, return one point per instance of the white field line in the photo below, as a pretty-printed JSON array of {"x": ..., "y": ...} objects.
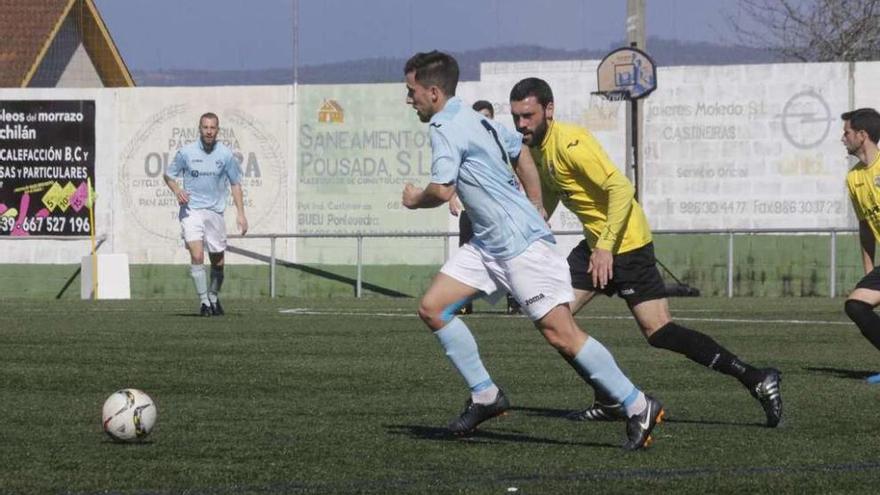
[{"x": 327, "y": 312}]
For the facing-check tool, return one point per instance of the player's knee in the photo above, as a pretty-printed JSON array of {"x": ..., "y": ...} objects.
[
  {"x": 432, "y": 315},
  {"x": 857, "y": 310},
  {"x": 425, "y": 312},
  {"x": 564, "y": 340},
  {"x": 555, "y": 339}
]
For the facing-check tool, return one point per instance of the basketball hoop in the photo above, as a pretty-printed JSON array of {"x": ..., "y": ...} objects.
[
  {"x": 626, "y": 70},
  {"x": 628, "y": 74}
]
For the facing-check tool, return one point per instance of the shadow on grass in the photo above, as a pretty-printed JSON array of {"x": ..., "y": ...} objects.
[
  {"x": 131, "y": 444},
  {"x": 564, "y": 413},
  {"x": 230, "y": 315},
  {"x": 712, "y": 422},
  {"x": 385, "y": 291},
  {"x": 842, "y": 373},
  {"x": 544, "y": 412},
  {"x": 419, "y": 432}
]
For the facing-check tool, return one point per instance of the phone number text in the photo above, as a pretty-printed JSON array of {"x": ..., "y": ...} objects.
[
  {"x": 761, "y": 207},
  {"x": 45, "y": 225}
]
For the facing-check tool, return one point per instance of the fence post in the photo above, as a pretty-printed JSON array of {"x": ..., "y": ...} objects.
[
  {"x": 832, "y": 290},
  {"x": 445, "y": 248},
  {"x": 272, "y": 266},
  {"x": 360, "y": 268},
  {"x": 730, "y": 264}
]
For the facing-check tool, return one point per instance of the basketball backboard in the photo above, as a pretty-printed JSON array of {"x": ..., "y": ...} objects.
[{"x": 628, "y": 73}]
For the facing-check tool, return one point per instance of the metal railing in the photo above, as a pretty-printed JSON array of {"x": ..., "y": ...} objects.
[
  {"x": 831, "y": 232},
  {"x": 730, "y": 233}
]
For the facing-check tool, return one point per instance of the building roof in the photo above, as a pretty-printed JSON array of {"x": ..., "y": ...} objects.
[
  {"x": 30, "y": 28},
  {"x": 330, "y": 106}
]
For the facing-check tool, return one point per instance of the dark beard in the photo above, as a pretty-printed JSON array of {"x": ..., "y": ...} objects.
[
  {"x": 539, "y": 135},
  {"x": 208, "y": 147}
]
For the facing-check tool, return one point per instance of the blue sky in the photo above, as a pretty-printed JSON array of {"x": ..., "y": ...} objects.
[{"x": 257, "y": 34}]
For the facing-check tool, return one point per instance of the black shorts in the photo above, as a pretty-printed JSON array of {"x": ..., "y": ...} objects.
[
  {"x": 636, "y": 278},
  {"x": 871, "y": 280},
  {"x": 465, "y": 228}
]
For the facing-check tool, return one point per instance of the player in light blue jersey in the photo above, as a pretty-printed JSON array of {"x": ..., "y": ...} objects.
[
  {"x": 209, "y": 170},
  {"x": 465, "y": 230},
  {"x": 512, "y": 250}
]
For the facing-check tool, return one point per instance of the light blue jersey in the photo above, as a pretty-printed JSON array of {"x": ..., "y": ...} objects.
[
  {"x": 206, "y": 177},
  {"x": 472, "y": 152}
]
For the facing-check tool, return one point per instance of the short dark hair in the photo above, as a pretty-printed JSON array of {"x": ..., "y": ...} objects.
[
  {"x": 484, "y": 105},
  {"x": 434, "y": 69},
  {"x": 864, "y": 119},
  {"x": 532, "y": 86},
  {"x": 209, "y": 115}
]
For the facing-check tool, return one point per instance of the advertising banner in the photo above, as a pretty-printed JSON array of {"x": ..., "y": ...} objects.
[
  {"x": 47, "y": 162},
  {"x": 721, "y": 151},
  {"x": 358, "y": 146},
  {"x": 253, "y": 124}
]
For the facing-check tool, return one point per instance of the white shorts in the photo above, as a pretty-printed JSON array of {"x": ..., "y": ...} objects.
[
  {"x": 538, "y": 278},
  {"x": 203, "y": 225}
]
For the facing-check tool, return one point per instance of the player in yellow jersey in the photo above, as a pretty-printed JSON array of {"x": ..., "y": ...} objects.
[
  {"x": 617, "y": 254},
  {"x": 861, "y": 132}
]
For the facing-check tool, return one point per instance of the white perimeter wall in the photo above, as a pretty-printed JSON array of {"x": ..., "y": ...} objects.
[{"x": 753, "y": 146}]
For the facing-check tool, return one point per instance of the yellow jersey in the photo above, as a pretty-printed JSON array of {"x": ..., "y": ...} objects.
[
  {"x": 863, "y": 182},
  {"x": 575, "y": 169}
]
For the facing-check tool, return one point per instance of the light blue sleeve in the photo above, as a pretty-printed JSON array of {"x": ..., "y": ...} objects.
[
  {"x": 445, "y": 155},
  {"x": 512, "y": 140},
  {"x": 233, "y": 172},
  {"x": 177, "y": 166}
]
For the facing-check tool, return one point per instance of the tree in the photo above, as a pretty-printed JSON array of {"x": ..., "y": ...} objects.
[{"x": 811, "y": 30}]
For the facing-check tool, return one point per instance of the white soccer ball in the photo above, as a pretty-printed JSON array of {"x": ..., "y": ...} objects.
[{"x": 128, "y": 415}]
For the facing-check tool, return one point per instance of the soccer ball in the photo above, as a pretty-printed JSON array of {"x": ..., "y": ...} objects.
[{"x": 128, "y": 415}]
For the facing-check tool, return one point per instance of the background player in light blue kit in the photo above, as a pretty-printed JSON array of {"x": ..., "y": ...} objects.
[
  {"x": 511, "y": 250},
  {"x": 208, "y": 168}
]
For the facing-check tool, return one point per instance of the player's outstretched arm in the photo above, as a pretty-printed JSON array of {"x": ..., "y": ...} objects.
[
  {"x": 430, "y": 197},
  {"x": 455, "y": 206},
  {"x": 620, "y": 201},
  {"x": 527, "y": 173},
  {"x": 238, "y": 201},
  {"x": 179, "y": 192}
]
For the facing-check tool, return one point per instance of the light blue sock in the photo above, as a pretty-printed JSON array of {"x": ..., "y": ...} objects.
[
  {"x": 594, "y": 361},
  {"x": 461, "y": 349}
]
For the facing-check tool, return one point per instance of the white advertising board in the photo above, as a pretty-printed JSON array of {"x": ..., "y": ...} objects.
[{"x": 746, "y": 146}]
